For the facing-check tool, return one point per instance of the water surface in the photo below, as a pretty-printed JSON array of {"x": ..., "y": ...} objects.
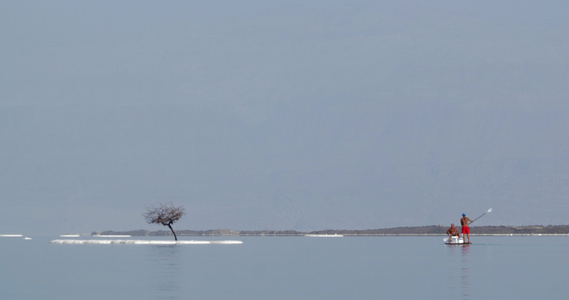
[{"x": 289, "y": 268}]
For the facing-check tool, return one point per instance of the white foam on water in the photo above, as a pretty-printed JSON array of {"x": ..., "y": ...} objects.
[
  {"x": 111, "y": 236},
  {"x": 142, "y": 242},
  {"x": 69, "y": 235},
  {"x": 11, "y": 235},
  {"x": 323, "y": 235}
]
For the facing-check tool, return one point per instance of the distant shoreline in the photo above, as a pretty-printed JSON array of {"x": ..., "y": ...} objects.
[{"x": 434, "y": 230}]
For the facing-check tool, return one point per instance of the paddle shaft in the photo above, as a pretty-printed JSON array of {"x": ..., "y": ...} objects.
[{"x": 478, "y": 217}]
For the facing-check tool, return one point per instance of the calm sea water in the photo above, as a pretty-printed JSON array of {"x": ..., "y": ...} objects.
[{"x": 289, "y": 268}]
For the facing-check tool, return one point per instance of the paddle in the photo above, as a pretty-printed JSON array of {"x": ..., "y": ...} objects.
[{"x": 489, "y": 211}]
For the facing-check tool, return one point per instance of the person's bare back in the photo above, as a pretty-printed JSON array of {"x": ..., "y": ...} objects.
[{"x": 465, "y": 229}]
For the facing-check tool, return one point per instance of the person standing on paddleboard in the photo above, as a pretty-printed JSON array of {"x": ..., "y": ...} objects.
[{"x": 465, "y": 229}]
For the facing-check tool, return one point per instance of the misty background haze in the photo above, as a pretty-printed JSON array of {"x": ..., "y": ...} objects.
[{"x": 300, "y": 115}]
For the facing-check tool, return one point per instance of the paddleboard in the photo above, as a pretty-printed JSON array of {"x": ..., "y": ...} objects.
[
  {"x": 455, "y": 241},
  {"x": 458, "y": 243}
]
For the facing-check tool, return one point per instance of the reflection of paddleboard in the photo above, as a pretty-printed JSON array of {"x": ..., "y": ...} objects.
[{"x": 455, "y": 241}]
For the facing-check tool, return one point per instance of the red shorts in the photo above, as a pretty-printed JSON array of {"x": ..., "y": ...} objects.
[{"x": 465, "y": 229}]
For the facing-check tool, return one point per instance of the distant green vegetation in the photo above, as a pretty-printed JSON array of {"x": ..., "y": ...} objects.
[{"x": 421, "y": 230}]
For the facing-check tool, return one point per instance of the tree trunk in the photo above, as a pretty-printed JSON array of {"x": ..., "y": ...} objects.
[{"x": 172, "y": 229}]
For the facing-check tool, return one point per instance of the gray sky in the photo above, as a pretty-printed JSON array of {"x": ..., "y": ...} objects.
[{"x": 297, "y": 115}]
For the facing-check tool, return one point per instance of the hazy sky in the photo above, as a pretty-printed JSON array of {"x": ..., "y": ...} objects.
[{"x": 300, "y": 115}]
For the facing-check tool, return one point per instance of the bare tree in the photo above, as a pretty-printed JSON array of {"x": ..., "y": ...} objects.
[{"x": 165, "y": 215}]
